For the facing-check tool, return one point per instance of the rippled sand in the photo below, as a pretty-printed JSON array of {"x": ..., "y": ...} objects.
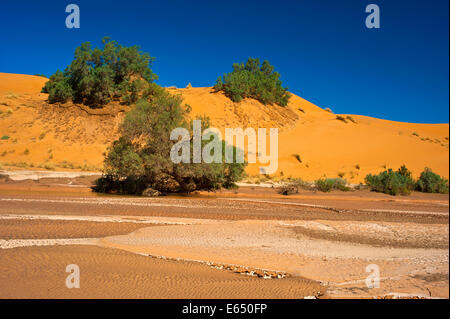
[{"x": 39, "y": 272}]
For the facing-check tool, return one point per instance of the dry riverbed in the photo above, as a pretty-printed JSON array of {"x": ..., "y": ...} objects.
[{"x": 214, "y": 245}]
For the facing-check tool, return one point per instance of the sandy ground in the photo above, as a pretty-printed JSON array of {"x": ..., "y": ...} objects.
[
  {"x": 329, "y": 239},
  {"x": 39, "y": 272}
]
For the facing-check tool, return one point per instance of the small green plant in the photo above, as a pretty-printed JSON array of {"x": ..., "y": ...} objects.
[
  {"x": 42, "y": 136},
  {"x": 357, "y": 166},
  {"x": 327, "y": 184},
  {"x": 4, "y": 138},
  {"x": 341, "y": 174},
  {"x": 415, "y": 134},
  {"x": 49, "y": 166},
  {"x": 430, "y": 182},
  {"x": 11, "y": 96},
  {"x": 26, "y": 152}
]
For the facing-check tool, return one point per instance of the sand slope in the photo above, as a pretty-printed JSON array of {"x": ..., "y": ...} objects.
[{"x": 72, "y": 136}]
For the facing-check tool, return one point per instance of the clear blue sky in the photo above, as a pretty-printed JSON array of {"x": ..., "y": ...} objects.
[{"x": 322, "y": 48}]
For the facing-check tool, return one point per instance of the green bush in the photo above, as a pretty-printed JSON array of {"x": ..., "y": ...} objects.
[
  {"x": 253, "y": 80},
  {"x": 140, "y": 158},
  {"x": 392, "y": 182},
  {"x": 97, "y": 76},
  {"x": 430, "y": 182},
  {"x": 327, "y": 184}
]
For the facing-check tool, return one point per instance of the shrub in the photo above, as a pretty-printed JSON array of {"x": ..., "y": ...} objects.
[
  {"x": 253, "y": 80},
  {"x": 391, "y": 182},
  {"x": 430, "y": 182},
  {"x": 351, "y": 119},
  {"x": 140, "y": 158},
  {"x": 97, "y": 76},
  {"x": 4, "y": 137},
  {"x": 298, "y": 158},
  {"x": 341, "y": 118},
  {"x": 287, "y": 189},
  {"x": 327, "y": 184}
]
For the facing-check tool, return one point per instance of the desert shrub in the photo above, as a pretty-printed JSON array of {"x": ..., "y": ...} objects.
[
  {"x": 253, "y": 80},
  {"x": 287, "y": 189},
  {"x": 4, "y": 137},
  {"x": 298, "y": 158},
  {"x": 392, "y": 182},
  {"x": 341, "y": 118},
  {"x": 140, "y": 158},
  {"x": 293, "y": 185},
  {"x": 328, "y": 110},
  {"x": 327, "y": 184},
  {"x": 97, "y": 76},
  {"x": 430, "y": 182},
  {"x": 351, "y": 119}
]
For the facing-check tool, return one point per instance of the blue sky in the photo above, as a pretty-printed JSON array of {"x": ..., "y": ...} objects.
[{"x": 322, "y": 48}]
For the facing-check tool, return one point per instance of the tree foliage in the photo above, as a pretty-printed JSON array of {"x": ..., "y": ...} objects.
[
  {"x": 391, "y": 182},
  {"x": 140, "y": 158},
  {"x": 430, "y": 182},
  {"x": 253, "y": 80},
  {"x": 97, "y": 76}
]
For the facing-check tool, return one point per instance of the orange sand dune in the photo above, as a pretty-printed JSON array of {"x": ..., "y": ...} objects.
[
  {"x": 20, "y": 83},
  {"x": 70, "y": 136}
]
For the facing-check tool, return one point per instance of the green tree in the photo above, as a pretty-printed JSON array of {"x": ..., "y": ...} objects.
[
  {"x": 253, "y": 80},
  {"x": 98, "y": 76},
  {"x": 140, "y": 158}
]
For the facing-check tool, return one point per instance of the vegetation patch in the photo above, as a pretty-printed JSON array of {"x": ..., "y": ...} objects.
[
  {"x": 98, "y": 76},
  {"x": 140, "y": 159},
  {"x": 341, "y": 118},
  {"x": 400, "y": 182},
  {"x": 327, "y": 184},
  {"x": 351, "y": 119},
  {"x": 297, "y": 157},
  {"x": 253, "y": 80},
  {"x": 430, "y": 182}
]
